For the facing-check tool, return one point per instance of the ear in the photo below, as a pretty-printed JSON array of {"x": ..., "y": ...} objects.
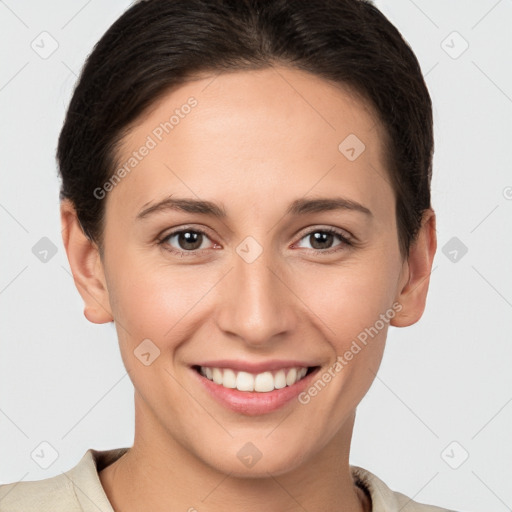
[
  {"x": 86, "y": 266},
  {"x": 416, "y": 270}
]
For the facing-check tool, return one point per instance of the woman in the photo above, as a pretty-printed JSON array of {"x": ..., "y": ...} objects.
[{"x": 246, "y": 195}]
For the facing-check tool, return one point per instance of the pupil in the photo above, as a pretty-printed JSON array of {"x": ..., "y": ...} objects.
[
  {"x": 321, "y": 238},
  {"x": 190, "y": 237}
]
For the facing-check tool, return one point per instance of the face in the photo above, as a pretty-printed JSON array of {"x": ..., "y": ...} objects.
[{"x": 290, "y": 264}]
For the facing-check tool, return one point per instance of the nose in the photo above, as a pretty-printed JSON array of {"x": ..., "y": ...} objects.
[{"x": 256, "y": 304}]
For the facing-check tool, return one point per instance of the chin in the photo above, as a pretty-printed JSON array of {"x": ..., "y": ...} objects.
[{"x": 247, "y": 461}]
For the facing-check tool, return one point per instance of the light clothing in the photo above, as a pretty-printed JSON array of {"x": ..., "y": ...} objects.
[{"x": 79, "y": 490}]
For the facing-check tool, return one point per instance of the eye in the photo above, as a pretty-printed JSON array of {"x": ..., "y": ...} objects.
[
  {"x": 188, "y": 241},
  {"x": 321, "y": 240},
  {"x": 184, "y": 241}
]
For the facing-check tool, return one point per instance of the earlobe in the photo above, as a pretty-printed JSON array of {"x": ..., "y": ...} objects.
[
  {"x": 412, "y": 292},
  {"x": 86, "y": 266}
]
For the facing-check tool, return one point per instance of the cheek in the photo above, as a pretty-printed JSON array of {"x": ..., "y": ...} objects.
[
  {"x": 350, "y": 298},
  {"x": 152, "y": 299}
]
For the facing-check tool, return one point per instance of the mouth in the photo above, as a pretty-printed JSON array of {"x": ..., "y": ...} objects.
[
  {"x": 254, "y": 393},
  {"x": 263, "y": 382}
]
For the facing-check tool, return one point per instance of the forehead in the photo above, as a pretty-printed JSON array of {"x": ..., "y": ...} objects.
[{"x": 261, "y": 131}]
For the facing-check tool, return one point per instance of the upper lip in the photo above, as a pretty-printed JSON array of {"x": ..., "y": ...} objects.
[{"x": 253, "y": 367}]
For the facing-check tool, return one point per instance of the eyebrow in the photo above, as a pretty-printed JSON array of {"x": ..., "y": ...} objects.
[{"x": 300, "y": 206}]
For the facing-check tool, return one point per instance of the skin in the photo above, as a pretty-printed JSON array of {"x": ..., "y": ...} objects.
[{"x": 256, "y": 141}]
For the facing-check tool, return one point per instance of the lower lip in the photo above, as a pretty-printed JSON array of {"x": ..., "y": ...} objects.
[{"x": 252, "y": 403}]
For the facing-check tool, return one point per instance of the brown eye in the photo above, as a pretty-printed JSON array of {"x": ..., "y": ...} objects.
[
  {"x": 185, "y": 240},
  {"x": 189, "y": 240},
  {"x": 321, "y": 240}
]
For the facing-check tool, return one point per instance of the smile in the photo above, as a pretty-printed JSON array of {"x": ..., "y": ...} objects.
[{"x": 260, "y": 382}]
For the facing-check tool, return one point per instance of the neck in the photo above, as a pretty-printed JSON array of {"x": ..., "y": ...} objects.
[{"x": 160, "y": 474}]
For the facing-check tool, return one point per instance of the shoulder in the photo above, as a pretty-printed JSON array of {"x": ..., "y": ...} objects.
[
  {"x": 76, "y": 490},
  {"x": 386, "y": 500},
  {"x": 38, "y": 495}
]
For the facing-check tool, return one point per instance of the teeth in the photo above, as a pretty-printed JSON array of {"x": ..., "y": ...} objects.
[
  {"x": 217, "y": 376},
  {"x": 244, "y": 381},
  {"x": 280, "y": 379},
  {"x": 264, "y": 382},
  {"x": 261, "y": 382},
  {"x": 291, "y": 377},
  {"x": 229, "y": 379}
]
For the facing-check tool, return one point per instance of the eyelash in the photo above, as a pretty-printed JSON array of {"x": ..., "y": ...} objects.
[{"x": 344, "y": 239}]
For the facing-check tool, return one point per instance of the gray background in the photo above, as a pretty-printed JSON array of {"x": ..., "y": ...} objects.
[{"x": 444, "y": 390}]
